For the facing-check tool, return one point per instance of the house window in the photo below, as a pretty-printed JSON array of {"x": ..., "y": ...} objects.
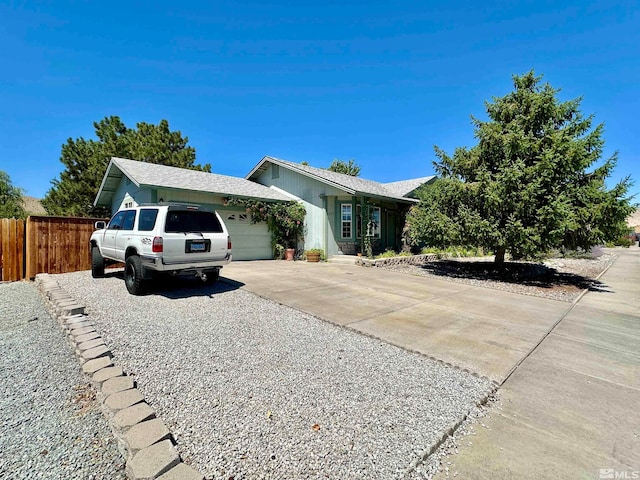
[
  {"x": 275, "y": 171},
  {"x": 374, "y": 215},
  {"x": 347, "y": 220}
]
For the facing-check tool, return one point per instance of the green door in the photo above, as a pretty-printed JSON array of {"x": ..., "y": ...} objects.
[{"x": 390, "y": 233}]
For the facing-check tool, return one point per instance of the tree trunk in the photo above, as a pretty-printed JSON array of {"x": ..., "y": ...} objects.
[{"x": 500, "y": 257}]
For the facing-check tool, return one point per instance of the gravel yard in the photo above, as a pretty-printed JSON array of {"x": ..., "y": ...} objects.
[
  {"x": 561, "y": 279},
  {"x": 253, "y": 389},
  {"x": 52, "y": 427}
]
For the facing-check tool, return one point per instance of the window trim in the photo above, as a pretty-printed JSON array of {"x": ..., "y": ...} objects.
[{"x": 343, "y": 222}]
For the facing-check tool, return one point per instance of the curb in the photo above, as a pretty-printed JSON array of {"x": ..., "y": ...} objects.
[{"x": 143, "y": 439}]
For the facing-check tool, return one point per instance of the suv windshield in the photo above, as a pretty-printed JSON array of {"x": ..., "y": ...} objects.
[{"x": 192, "y": 221}]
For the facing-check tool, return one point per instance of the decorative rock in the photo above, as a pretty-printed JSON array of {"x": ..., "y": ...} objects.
[
  {"x": 107, "y": 373},
  {"x": 85, "y": 337},
  {"x": 145, "y": 434},
  {"x": 96, "y": 342},
  {"x": 121, "y": 400},
  {"x": 81, "y": 331},
  {"x": 153, "y": 461},
  {"x": 133, "y": 415},
  {"x": 82, "y": 324},
  {"x": 182, "y": 471},
  {"x": 117, "y": 384},
  {"x": 93, "y": 366},
  {"x": 71, "y": 309},
  {"x": 61, "y": 303},
  {"x": 61, "y": 300},
  {"x": 56, "y": 293},
  {"x": 76, "y": 323},
  {"x": 95, "y": 353}
]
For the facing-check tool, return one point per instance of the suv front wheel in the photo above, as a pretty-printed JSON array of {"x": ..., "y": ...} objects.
[
  {"x": 97, "y": 263},
  {"x": 133, "y": 274}
]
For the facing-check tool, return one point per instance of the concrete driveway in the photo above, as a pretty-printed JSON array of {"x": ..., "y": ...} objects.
[
  {"x": 569, "y": 409},
  {"x": 484, "y": 331}
]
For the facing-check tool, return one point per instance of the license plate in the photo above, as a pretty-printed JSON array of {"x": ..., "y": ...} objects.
[{"x": 197, "y": 247}]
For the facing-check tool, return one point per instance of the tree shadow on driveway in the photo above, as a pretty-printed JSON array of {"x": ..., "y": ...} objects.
[{"x": 521, "y": 273}]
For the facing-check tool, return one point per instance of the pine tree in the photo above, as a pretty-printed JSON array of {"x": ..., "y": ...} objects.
[
  {"x": 530, "y": 184},
  {"x": 86, "y": 161},
  {"x": 348, "y": 168}
]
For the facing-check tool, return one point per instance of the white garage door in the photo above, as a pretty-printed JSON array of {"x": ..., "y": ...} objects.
[{"x": 249, "y": 241}]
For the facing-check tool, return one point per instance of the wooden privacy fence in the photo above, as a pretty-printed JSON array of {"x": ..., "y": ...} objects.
[
  {"x": 11, "y": 249},
  {"x": 44, "y": 245}
]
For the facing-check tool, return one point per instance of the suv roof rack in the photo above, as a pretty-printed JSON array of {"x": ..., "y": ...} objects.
[{"x": 199, "y": 206}]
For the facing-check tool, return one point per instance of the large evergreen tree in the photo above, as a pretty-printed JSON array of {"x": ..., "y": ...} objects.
[
  {"x": 534, "y": 181},
  {"x": 86, "y": 161},
  {"x": 348, "y": 168},
  {"x": 10, "y": 198}
]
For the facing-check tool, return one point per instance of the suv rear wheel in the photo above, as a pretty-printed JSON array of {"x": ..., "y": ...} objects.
[
  {"x": 133, "y": 274},
  {"x": 212, "y": 276}
]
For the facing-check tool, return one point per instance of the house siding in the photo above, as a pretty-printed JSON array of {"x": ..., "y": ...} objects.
[
  {"x": 390, "y": 225},
  {"x": 129, "y": 191},
  {"x": 323, "y": 226},
  {"x": 200, "y": 198},
  {"x": 315, "y": 197}
]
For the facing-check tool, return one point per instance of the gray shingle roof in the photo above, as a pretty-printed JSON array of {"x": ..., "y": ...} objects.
[
  {"x": 151, "y": 174},
  {"x": 405, "y": 187},
  {"x": 348, "y": 183}
]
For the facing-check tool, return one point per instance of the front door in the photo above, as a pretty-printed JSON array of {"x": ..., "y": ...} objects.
[{"x": 390, "y": 230}]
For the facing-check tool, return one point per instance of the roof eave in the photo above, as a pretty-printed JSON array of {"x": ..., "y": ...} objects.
[
  {"x": 222, "y": 194},
  {"x": 96, "y": 201},
  {"x": 113, "y": 163},
  {"x": 301, "y": 172},
  {"x": 384, "y": 197}
]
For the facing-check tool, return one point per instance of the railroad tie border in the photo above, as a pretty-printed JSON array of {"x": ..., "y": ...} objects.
[{"x": 142, "y": 438}]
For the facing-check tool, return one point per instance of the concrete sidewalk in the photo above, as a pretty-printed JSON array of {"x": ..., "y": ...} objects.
[
  {"x": 572, "y": 407},
  {"x": 484, "y": 331}
]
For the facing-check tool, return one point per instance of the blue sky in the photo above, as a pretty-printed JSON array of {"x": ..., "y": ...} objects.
[{"x": 381, "y": 82}]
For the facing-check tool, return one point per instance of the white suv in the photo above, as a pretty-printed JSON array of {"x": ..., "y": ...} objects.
[{"x": 175, "y": 239}]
